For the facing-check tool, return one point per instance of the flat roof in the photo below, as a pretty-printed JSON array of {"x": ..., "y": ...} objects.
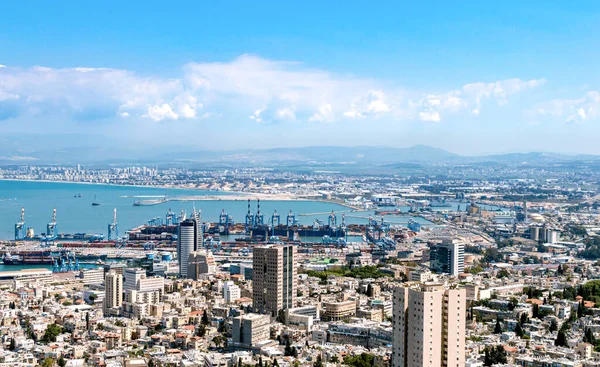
[{"x": 22, "y": 272}]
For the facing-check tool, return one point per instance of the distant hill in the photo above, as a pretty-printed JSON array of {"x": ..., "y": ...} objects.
[{"x": 38, "y": 149}]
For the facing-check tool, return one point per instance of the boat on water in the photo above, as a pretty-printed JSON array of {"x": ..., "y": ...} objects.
[
  {"x": 77, "y": 195},
  {"x": 388, "y": 212},
  {"x": 439, "y": 204},
  {"x": 95, "y": 203},
  {"x": 30, "y": 259}
]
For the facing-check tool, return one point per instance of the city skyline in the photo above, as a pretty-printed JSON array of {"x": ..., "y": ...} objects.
[{"x": 469, "y": 80}]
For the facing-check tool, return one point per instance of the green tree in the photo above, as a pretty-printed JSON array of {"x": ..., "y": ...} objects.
[
  {"x": 275, "y": 363},
  {"x": 561, "y": 338},
  {"x": 553, "y": 326},
  {"x": 498, "y": 327},
  {"x": 519, "y": 331},
  {"x": 13, "y": 345},
  {"x": 61, "y": 361},
  {"x": 536, "y": 311},
  {"x": 48, "y": 362},
  {"x": 318, "y": 362},
  {"x": 52, "y": 331},
  {"x": 362, "y": 360},
  {"x": 281, "y": 316},
  {"x": 524, "y": 319},
  {"x": 494, "y": 355},
  {"x": 87, "y": 320},
  {"x": 288, "y": 351},
  {"x": 205, "y": 320},
  {"x": 588, "y": 337}
]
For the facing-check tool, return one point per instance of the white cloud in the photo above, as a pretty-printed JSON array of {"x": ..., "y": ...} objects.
[
  {"x": 265, "y": 90},
  {"x": 373, "y": 103},
  {"x": 430, "y": 116},
  {"x": 470, "y": 97},
  {"x": 570, "y": 110},
  {"x": 2, "y": 66},
  {"x": 325, "y": 114},
  {"x": 161, "y": 112}
]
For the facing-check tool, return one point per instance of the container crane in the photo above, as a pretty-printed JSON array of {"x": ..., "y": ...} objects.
[
  {"x": 51, "y": 232},
  {"x": 259, "y": 218},
  {"x": 291, "y": 219},
  {"x": 20, "y": 227},
  {"x": 249, "y": 218},
  {"x": 113, "y": 228},
  {"x": 171, "y": 218}
]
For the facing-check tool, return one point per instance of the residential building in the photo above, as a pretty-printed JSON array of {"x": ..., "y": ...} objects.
[
  {"x": 200, "y": 262},
  {"x": 429, "y": 326},
  {"x": 113, "y": 294},
  {"x": 231, "y": 292}
]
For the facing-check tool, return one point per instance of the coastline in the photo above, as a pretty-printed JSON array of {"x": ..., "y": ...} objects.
[{"x": 213, "y": 196}]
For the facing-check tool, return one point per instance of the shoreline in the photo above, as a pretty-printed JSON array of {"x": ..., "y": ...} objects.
[{"x": 212, "y": 195}]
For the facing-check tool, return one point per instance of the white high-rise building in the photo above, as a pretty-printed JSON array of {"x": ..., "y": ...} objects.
[
  {"x": 448, "y": 257},
  {"x": 231, "y": 292},
  {"x": 113, "y": 293},
  {"x": 274, "y": 278},
  {"x": 131, "y": 277},
  {"x": 429, "y": 326}
]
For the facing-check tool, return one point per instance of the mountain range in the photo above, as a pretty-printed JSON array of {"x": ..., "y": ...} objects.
[{"x": 311, "y": 155}]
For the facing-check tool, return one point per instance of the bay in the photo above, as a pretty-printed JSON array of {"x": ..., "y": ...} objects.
[{"x": 77, "y": 215}]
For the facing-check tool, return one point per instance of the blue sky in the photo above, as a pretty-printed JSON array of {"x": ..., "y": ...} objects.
[{"x": 470, "y": 77}]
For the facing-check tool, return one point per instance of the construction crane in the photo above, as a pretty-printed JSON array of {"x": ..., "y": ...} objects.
[
  {"x": 20, "y": 227},
  {"x": 113, "y": 228}
]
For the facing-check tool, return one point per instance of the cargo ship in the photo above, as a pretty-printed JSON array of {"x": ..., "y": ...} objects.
[
  {"x": 29, "y": 258},
  {"x": 388, "y": 212}
]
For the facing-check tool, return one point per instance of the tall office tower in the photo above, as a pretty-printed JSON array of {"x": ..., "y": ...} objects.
[
  {"x": 197, "y": 218},
  {"x": 200, "y": 262},
  {"x": 429, "y": 326},
  {"x": 274, "y": 278},
  {"x": 448, "y": 257},
  {"x": 113, "y": 293},
  {"x": 187, "y": 242}
]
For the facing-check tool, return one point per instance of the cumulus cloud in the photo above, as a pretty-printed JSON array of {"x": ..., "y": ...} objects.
[
  {"x": 325, "y": 114},
  {"x": 264, "y": 90},
  {"x": 570, "y": 110},
  {"x": 162, "y": 112},
  {"x": 429, "y": 116},
  {"x": 470, "y": 97},
  {"x": 373, "y": 103}
]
